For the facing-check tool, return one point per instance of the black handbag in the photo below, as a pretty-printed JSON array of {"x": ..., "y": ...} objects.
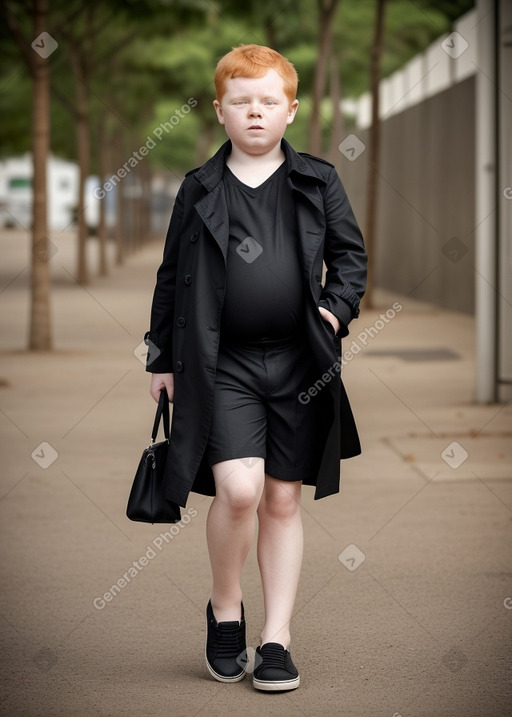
[{"x": 147, "y": 503}]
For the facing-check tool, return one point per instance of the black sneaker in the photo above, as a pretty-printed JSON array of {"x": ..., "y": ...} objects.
[
  {"x": 275, "y": 670},
  {"x": 225, "y": 644}
]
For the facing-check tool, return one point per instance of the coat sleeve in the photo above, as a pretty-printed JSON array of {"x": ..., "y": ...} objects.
[
  {"x": 159, "y": 337},
  {"x": 344, "y": 256}
]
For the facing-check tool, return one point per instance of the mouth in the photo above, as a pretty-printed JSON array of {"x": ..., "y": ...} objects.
[{"x": 255, "y": 126}]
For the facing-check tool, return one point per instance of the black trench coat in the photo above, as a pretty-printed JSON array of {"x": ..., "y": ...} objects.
[{"x": 188, "y": 299}]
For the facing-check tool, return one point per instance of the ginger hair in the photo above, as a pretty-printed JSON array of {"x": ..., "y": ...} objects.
[{"x": 255, "y": 61}]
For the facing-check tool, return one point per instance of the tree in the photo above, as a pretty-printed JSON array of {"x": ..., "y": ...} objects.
[
  {"x": 79, "y": 48},
  {"x": 374, "y": 147},
  {"x": 83, "y": 41},
  {"x": 337, "y": 115},
  {"x": 326, "y": 10},
  {"x": 36, "y": 60}
]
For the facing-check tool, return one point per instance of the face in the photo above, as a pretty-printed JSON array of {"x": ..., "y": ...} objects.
[{"x": 255, "y": 112}]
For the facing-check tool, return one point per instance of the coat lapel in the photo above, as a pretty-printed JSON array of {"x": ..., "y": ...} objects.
[
  {"x": 213, "y": 211},
  {"x": 212, "y": 208},
  {"x": 311, "y": 229},
  {"x": 311, "y": 224},
  {"x": 310, "y": 212}
]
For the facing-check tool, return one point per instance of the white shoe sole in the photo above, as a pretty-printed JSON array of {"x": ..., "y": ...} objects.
[{"x": 278, "y": 686}]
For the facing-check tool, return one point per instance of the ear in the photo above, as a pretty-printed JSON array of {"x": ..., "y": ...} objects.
[
  {"x": 292, "y": 111},
  {"x": 218, "y": 110}
]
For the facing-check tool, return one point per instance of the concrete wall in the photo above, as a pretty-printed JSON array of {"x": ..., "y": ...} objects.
[
  {"x": 505, "y": 199},
  {"x": 425, "y": 228}
]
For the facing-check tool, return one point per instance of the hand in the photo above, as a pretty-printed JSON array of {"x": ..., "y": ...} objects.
[
  {"x": 160, "y": 381},
  {"x": 330, "y": 317}
]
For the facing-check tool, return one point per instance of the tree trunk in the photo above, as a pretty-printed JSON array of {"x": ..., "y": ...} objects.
[
  {"x": 269, "y": 27},
  {"x": 373, "y": 151},
  {"x": 83, "y": 150},
  {"x": 138, "y": 221},
  {"x": 204, "y": 140},
  {"x": 337, "y": 115},
  {"x": 145, "y": 176},
  {"x": 102, "y": 220},
  {"x": 40, "y": 331},
  {"x": 326, "y": 14},
  {"x": 120, "y": 219},
  {"x": 137, "y": 189}
]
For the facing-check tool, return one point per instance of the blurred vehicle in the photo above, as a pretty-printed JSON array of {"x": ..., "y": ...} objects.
[{"x": 62, "y": 178}]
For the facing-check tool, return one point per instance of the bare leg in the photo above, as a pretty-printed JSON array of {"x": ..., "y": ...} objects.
[
  {"x": 280, "y": 545},
  {"x": 230, "y": 530}
]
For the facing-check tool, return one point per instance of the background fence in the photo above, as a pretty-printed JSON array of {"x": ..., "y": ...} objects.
[{"x": 426, "y": 212}]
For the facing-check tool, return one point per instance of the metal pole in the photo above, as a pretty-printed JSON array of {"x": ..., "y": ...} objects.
[{"x": 485, "y": 206}]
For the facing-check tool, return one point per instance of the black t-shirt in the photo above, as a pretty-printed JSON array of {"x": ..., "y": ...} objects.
[{"x": 264, "y": 288}]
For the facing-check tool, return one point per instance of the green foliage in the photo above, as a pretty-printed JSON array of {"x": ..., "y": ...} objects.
[
  {"x": 451, "y": 9},
  {"x": 148, "y": 57},
  {"x": 15, "y": 110},
  {"x": 175, "y": 143},
  {"x": 410, "y": 28}
]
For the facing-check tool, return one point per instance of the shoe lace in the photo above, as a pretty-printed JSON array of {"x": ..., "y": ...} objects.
[
  {"x": 273, "y": 655},
  {"x": 229, "y": 641}
]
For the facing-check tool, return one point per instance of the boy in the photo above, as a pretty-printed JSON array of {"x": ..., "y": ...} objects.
[{"x": 246, "y": 341}]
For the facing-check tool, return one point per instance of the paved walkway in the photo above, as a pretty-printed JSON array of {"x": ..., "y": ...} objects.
[{"x": 404, "y": 606}]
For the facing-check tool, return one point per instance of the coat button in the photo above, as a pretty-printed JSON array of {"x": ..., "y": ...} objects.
[
  {"x": 193, "y": 237},
  {"x": 188, "y": 280},
  {"x": 180, "y": 321},
  {"x": 179, "y": 366},
  {"x": 317, "y": 277}
]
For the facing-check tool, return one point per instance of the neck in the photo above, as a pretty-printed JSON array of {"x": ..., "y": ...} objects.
[{"x": 240, "y": 158}]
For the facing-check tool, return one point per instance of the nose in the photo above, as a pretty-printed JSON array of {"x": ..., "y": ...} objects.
[{"x": 254, "y": 110}]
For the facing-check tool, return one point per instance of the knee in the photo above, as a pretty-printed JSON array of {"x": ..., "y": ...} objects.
[
  {"x": 239, "y": 487},
  {"x": 241, "y": 498},
  {"x": 280, "y": 502}
]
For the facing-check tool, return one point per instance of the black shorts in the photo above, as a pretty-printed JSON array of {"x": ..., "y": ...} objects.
[{"x": 259, "y": 408}]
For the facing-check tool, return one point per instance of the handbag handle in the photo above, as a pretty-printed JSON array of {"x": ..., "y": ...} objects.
[{"x": 162, "y": 410}]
